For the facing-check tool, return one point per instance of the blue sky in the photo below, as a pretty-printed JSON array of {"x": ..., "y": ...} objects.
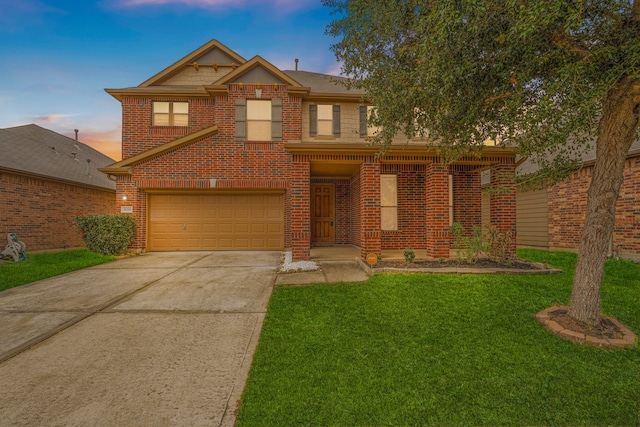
[{"x": 57, "y": 56}]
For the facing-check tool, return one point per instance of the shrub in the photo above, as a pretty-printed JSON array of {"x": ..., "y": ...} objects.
[
  {"x": 106, "y": 234},
  {"x": 409, "y": 255},
  {"x": 499, "y": 245},
  {"x": 472, "y": 246}
]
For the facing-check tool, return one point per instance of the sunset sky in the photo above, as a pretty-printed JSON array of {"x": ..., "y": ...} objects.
[{"x": 58, "y": 56}]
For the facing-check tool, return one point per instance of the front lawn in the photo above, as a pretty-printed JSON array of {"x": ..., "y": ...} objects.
[
  {"x": 42, "y": 265},
  {"x": 441, "y": 350}
]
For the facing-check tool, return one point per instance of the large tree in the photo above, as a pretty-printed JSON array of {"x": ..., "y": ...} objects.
[{"x": 551, "y": 77}]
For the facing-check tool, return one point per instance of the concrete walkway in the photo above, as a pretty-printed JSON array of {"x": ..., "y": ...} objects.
[
  {"x": 330, "y": 271},
  {"x": 162, "y": 339}
]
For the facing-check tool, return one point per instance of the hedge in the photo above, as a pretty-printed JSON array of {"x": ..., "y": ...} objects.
[{"x": 106, "y": 234}]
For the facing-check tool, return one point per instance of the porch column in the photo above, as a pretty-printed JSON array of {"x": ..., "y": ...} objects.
[
  {"x": 437, "y": 211},
  {"x": 503, "y": 199},
  {"x": 370, "y": 234},
  {"x": 300, "y": 208}
]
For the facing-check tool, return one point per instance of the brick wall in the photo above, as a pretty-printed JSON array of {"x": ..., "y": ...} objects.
[
  {"x": 412, "y": 223},
  {"x": 232, "y": 164},
  {"x": 567, "y": 202},
  {"x": 467, "y": 198},
  {"x": 42, "y": 213}
]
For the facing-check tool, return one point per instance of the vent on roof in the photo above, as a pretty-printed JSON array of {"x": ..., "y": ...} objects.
[
  {"x": 54, "y": 149},
  {"x": 88, "y": 172},
  {"x": 74, "y": 154}
]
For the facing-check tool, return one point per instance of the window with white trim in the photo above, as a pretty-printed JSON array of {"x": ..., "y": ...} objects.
[
  {"x": 389, "y": 202},
  {"x": 166, "y": 113}
]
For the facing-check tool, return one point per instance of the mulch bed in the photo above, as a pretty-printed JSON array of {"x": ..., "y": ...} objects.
[
  {"x": 481, "y": 263},
  {"x": 606, "y": 328},
  {"x": 609, "y": 333}
]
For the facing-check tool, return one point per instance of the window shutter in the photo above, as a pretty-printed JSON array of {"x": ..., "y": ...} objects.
[
  {"x": 241, "y": 119},
  {"x": 276, "y": 119},
  {"x": 336, "y": 120},
  {"x": 363, "y": 121},
  {"x": 313, "y": 120}
]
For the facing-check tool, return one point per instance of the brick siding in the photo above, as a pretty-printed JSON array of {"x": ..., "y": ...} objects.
[
  {"x": 567, "y": 202},
  {"x": 42, "y": 212}
]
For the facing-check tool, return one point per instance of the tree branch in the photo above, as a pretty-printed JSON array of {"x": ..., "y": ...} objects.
[{"x": 562, "y": 41}]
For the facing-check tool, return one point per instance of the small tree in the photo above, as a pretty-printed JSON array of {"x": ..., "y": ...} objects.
[{"x": 551, "y": 77}]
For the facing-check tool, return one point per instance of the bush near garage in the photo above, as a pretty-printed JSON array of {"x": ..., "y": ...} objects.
[{"x": 106, "y": 234}]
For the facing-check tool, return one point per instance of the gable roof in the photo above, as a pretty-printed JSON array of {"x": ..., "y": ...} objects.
[
  {"x": 322, "y": 83},
  {"x": 188, "y": 61},
  {"x": 203, "y": 73},
  {"x": 41, "y": 152},
  {"x": 124, "y": 167},
  {"x": 254, "y": 63}
]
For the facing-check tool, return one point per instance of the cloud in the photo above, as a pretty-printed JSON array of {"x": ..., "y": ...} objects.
[
  {"x": 106, "y": 141},
  {"x": 289, "y": 5},
  {"x": 50, "y": 119}
]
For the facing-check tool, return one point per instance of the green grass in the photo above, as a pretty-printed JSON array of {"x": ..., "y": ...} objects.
[
  {"x": 42, "y": 265},
  {"x": 441, "y": 350}
]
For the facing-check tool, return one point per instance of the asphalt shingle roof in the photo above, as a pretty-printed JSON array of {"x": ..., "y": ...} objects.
[
  {"x": 322, "y": 83},
  {"x": 39, "y": 151}
]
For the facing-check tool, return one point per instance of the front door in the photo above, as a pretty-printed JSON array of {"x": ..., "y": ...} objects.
[{"x": 322, "y": 213}]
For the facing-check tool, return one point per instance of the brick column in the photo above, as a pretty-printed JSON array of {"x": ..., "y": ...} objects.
[
  {"x": 300, "y": 208},
  {"x": 503, "y": 199},
  {"x": 137, "y": 200},
  {"x": 437, "y": 211},
  {"x": 370, "y": 233}
]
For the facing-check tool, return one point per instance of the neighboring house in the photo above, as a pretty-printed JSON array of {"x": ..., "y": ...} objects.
[
  {"x": 46, "y": 180},
  {"x": 220, "y": 152},
  {"x": 553, "y": 218}
]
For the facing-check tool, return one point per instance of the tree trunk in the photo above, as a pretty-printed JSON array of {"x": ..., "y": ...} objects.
[{"x": 617, "y": 130}]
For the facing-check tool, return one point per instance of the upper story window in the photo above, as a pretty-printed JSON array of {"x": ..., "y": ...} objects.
[
  {"x": 324, "y": 120},
  {"x": 170, "y": 113},
  {"x": 258, "y": 119},
  {"x": 365, "y": 115}
]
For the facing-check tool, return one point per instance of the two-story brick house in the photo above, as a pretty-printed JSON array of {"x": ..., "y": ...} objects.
[{"x": 225, "y": 153}]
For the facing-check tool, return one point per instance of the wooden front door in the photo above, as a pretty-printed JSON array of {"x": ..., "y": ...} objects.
[{"x": 322, "y": 213}]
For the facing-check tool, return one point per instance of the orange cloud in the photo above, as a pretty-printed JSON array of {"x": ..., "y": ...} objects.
[{"x": 107, "y": 142}]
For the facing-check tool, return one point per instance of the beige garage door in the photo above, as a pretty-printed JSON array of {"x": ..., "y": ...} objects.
[{"x": 216, "y": 222}]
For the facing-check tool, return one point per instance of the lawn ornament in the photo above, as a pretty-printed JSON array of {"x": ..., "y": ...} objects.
[{"x": 15, "y": 249}]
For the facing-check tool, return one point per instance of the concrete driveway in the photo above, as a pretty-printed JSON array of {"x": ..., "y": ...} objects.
[{"x": 162, "y": 339}]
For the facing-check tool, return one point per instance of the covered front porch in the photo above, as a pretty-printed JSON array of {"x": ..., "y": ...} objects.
[{"x": 407, "y": 199}]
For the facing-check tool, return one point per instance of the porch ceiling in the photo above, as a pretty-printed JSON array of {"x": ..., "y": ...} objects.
[{"x": 341, "y": 169}]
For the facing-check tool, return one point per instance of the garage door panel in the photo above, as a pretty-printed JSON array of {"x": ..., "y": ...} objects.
[{"x": 216, "y": 221}]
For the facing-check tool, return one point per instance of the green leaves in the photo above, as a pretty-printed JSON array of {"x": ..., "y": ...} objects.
[
  {"x": 106, "y": 234},
  {"x": 528, "y": 74}
]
